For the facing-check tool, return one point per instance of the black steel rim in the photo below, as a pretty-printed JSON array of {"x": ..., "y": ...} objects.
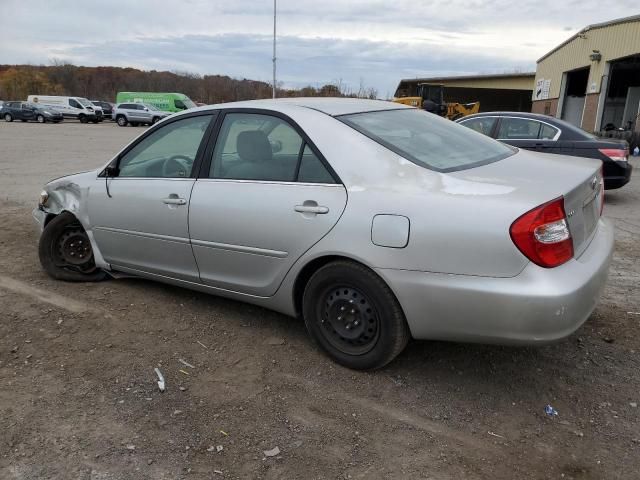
[
  {"x": 72, "y": 250},
  {"x": 348, "y": 320}
]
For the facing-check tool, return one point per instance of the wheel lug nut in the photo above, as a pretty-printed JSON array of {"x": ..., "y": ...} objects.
[
  {"x": 339, "y": 318},
  {"x": 348, "y": 327},
  {"x": 353, "y": 310},
  {"x": 342, "y": 309},
  {"x": 356, "y": 323}
]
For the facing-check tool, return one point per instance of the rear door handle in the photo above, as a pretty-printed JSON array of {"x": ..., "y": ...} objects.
[
  {"x": 311, "y": 209},
  {"x": 174, "y": 201}
]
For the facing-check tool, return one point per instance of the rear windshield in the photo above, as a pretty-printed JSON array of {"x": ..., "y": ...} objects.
[{"x": 428, "y": 140}]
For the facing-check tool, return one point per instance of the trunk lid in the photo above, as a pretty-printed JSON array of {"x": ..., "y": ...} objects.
[{"x": 536, "y": 178}]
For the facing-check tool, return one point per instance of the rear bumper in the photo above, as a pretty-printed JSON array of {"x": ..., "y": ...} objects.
[
  {"x": 621, "y": 178},
  {"x": 537, "y": 306}
]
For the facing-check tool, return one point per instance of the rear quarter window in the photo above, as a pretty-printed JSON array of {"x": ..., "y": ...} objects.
[{"x": 427, "y": 139}]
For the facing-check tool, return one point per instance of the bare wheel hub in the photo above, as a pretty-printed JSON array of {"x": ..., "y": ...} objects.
[
  {"x": 349, "y": 321},
  {"x": 74, "y": 247}
]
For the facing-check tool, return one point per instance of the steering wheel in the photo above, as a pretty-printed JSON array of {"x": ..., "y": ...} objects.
[{"x": 177, "y": 166}]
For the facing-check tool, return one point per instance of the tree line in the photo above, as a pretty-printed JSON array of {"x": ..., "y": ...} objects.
[{"x": 103, "y": 83}]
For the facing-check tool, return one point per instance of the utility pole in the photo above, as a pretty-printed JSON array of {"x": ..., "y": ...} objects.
[{"x": 274, "y": 49}]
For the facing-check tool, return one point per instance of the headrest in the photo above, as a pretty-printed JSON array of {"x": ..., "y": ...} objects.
[{"x": 254, "y": 146}]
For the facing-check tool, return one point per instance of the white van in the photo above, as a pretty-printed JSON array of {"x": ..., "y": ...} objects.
[{"x": 70, "y": 107}]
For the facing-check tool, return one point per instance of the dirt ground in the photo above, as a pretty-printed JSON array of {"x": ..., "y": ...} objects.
[{"x": 79, "y": 398}]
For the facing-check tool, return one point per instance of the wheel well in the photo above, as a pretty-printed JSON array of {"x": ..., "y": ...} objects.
[
  {"x": 307, "y": 271},
  {"x": 51, "y": 216}
]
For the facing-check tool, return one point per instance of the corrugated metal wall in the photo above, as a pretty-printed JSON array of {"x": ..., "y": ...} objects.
[{"x": 613, "y": 41}]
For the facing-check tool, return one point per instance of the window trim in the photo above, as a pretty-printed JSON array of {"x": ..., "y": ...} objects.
[
  {"x": 205, "y": 165},
  {"x": 199, "y": 153},
  {"x": 499, "y": 122}
]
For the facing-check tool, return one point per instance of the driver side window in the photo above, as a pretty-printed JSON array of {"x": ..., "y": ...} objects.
[{"x": 169, "y": 152}]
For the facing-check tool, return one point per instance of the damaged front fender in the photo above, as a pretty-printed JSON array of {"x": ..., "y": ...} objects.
[{"x": 66, "y": 194}]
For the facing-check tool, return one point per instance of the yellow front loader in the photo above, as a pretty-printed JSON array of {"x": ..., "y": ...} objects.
[{"x": 431, "y": 98}]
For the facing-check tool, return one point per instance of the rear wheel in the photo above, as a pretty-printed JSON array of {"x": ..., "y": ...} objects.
[
  {"x": 65, "y": 251},
  {"x": 121, "y": 120},
  {"x": 353, "y": 316},
  {"x": 8, "y": 117},
  {"x": 155, "y": 120},
  {"x": 40, "y": 118}
]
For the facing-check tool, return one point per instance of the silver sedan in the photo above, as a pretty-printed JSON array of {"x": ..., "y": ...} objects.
[{"x": 372, "y": 221}]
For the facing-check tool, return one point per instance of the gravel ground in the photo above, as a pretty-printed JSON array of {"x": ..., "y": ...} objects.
[{"x": 79, "y": 398}]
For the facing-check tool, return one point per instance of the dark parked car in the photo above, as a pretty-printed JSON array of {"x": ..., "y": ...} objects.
[
  {"x": 107, "y": 108},
  {"x": 550, "y": 135},
  {"x": 26, "y": 111}
]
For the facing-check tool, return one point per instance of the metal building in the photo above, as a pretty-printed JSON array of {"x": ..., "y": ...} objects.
[
  {"x": 509, "y": 91},
  {"x": 593, "y": 79}
]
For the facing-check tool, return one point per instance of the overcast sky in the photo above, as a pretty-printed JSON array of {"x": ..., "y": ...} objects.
[{"x": 319, "y": 41}]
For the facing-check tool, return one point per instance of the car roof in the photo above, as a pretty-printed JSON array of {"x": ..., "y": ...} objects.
[{"x": 333, "y": 106}]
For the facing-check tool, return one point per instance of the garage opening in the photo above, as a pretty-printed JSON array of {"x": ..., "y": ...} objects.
[
  {"x": 576, "y": 88},
  {"x": 622, "y": 103}
]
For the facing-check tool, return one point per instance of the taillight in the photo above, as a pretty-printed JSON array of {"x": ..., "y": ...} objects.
[
  {"x": 617, "y": 154},
  {"x": 543, "y": 236}
]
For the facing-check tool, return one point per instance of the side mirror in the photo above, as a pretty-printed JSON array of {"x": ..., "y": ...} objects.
[
  {"x": 146, "y": 109},
  {"x": 111, "y": 171}
]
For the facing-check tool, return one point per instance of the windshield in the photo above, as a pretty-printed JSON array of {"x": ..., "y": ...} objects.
[
  {"x": 428, "y": 140},
  {"x": 84, "y": 102},
  {"x": 188, "y": 103}
]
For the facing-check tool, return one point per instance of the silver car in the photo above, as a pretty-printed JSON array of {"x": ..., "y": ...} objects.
[
  {"x": 137, "y": 114},
  {"x": 374, "y": 222}
]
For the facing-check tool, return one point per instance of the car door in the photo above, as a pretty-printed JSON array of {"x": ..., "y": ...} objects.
[
  {"x": 142, "y": 113},
  {"x": 528, "y": 133},
  {"x": 27, "y": 112},
  {"x": 265, "y": 196},
  {"x": 140, "y": 219}
]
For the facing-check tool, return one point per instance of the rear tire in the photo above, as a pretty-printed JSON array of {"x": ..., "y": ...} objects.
[
  {"x": 40, "y": 119},
  {"x": 354, "y": 316},
  {"x": 65, "y": 251},
  {"x": 8, "y": 117},
  {"x": 155, "y": 120},
  {"x": 121, "y": 120}
]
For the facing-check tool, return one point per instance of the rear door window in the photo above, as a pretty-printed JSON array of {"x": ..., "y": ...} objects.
[
  {"x": 518, "y": 129},
  {"x": 264, "y": 148}
]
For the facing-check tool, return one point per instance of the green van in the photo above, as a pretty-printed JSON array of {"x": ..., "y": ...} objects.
[{"x": 168, "y": 102}]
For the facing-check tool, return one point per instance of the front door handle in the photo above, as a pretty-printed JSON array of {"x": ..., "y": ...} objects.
[
  {"x": 171, "y": 200},
  {"x": 318, "y": 209}
]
